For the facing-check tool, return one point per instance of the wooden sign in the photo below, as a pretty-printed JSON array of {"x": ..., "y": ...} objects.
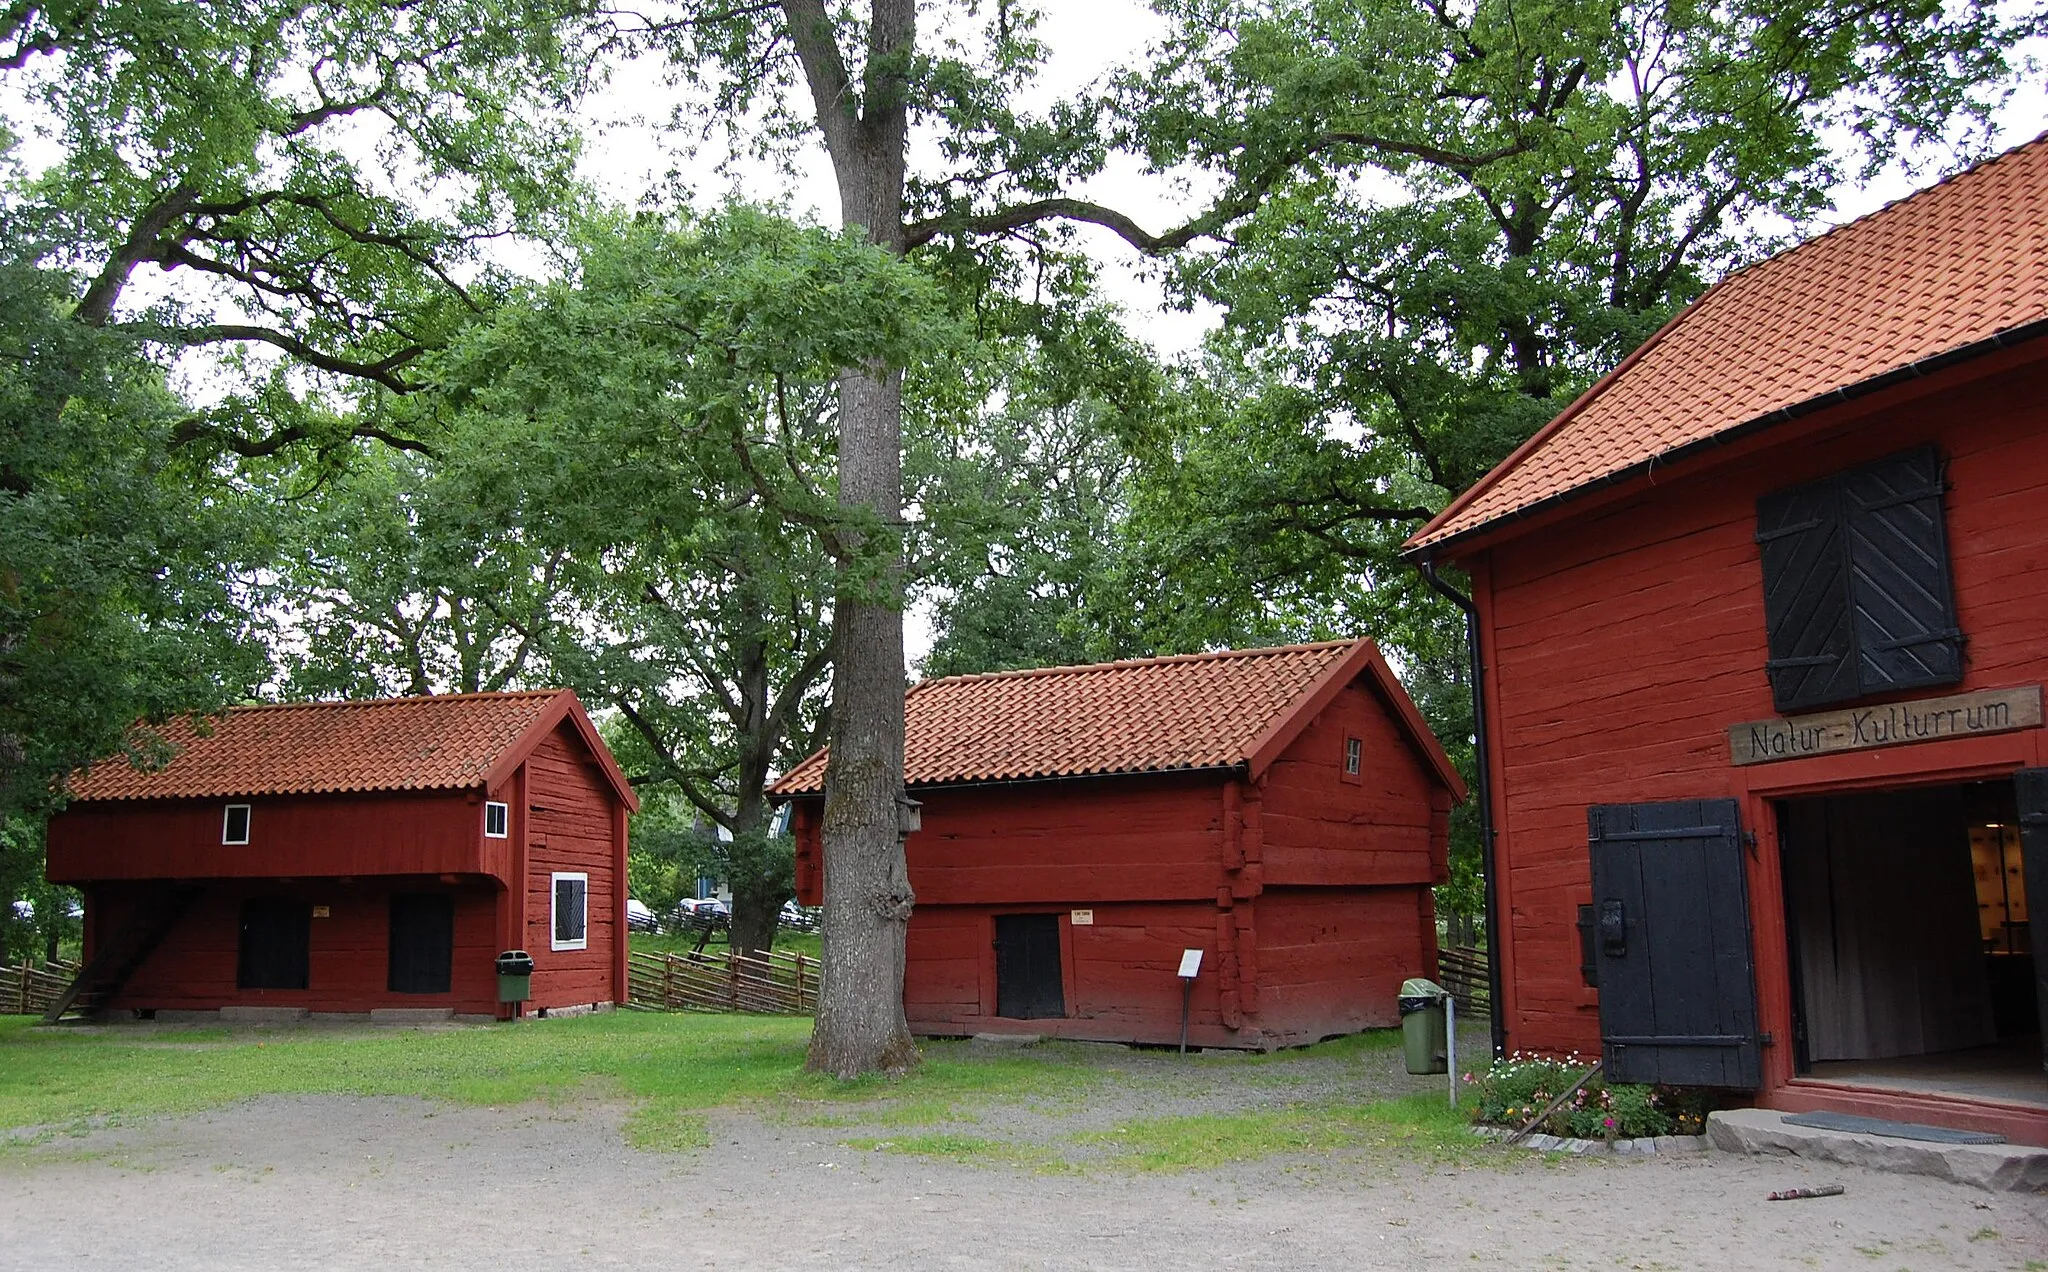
[{"x": 1894, "y": 724}]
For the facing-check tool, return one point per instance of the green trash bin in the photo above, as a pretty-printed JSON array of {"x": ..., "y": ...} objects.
[
  {"x": 515, "y": 976},
  {"x": 1423, "y": 1042}
]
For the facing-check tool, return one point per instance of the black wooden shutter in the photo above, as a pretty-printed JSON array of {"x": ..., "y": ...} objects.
[
  {"x": 1857, "y": 598},
  {"x": 1671, "y": 926},
  {"x": 274, "y": 949},
  {"x": 1903, "y": 610},
  {"x": 1806, "y": 596},
  {"x": 1029, "y": 984},
  {"x": 2031, "y": 785}
]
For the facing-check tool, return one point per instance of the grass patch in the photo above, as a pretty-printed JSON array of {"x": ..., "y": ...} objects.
[
  {"x": 670, "y": 1066},
  {"x": 1417, "y": 1124},
  {"x": 969, "y": 1150}
]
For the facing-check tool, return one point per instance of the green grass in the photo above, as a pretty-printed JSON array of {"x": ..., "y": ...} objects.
[
  {"x": 1416, "y": 1124},
  {"x": 671, "y": 1066}
]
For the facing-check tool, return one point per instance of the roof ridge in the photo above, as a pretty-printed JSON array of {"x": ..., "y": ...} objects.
[
  {"x": 334, "y": 703},
  {"x": 1207, "y": 655}
]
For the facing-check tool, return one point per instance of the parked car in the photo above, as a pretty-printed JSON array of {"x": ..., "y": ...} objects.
[
  {"x": 799, "y": 918},
  {"x": 695, "y": 913},
  {"x": 640, "y": 919}
]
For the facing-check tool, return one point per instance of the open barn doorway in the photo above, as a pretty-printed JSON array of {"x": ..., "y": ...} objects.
[{"x": 1912, "y": 957}]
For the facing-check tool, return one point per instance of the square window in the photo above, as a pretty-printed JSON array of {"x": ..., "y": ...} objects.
[
  {"x": 1353, "y": 752},
  {"x": 234, "y": 824},
  {"x": 496, "y": 818},
  {"x": 569, "y": 926}
]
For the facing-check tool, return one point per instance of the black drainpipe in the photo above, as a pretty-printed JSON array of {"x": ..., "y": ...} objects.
[{"x": 1485, "y": 795}]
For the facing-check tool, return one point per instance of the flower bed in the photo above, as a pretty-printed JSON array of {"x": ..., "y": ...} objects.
[{"x": 1516, "y": 1089}]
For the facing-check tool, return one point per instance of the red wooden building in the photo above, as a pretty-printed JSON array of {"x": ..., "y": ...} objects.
[
  {"x": 1764, "y": 624},
  {"x": 355, "y": 857},
  {"x": 1284, "y": 811}
]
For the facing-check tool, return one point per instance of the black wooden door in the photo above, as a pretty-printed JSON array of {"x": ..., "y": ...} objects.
[
  {"x": 1671, "y": 928},
  {"x": 275, "y": 939},
  {"x": 422, "y": 942},
  {"x": 1028, "y": 983},
  {"x": 2031, "y": 785}
]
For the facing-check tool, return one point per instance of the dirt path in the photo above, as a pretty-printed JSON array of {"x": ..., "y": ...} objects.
[{"x": 341, "y": 1182}]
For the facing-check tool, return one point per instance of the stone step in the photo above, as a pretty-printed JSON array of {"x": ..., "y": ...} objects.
[{"x": 1997, "y": 1167}]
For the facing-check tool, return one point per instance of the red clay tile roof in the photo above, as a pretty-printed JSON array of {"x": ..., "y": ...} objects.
[
  {"x": 452, "y": 741},
  {"x": 1953, "y": 266},
  {"x": 1150, "y": 715}
]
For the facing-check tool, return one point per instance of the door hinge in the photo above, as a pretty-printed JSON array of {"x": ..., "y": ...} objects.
[
  {"x": 1764, "y": 1039},
  {"x": 1749, "y": 842}
]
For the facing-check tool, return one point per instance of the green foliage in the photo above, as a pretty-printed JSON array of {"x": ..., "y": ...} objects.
[{"x": 1516, "y": 1089}]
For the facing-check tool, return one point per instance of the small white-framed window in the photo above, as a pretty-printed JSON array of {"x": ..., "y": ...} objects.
[
  {"x": 569, "y": 922},
  {"x": 1354, "y": 751},
  {"x": 234, "y": 824},
  {"x": 497, "y": 820}
]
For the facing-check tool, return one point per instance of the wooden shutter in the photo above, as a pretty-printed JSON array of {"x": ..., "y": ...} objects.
[
  {"x": 1806, "y": 596},
  {"x": 422, "y": 942},
  {"x": 1671, "y": 930},
  {"x": 1857, "y": 598},
  {"x": 2031, "y": 785},
  {"x": 1903, "y": 610}
]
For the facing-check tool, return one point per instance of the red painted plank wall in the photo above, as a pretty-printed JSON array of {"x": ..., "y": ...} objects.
[
  {"x": 1120, "y": 973},
  {"x": 570, "y": 831},
  {"x": 1623, "y": 643},
  {"x": 430, "y": 832},
  {"x": 1323, "y": 826},
  {"x": 194, "y": 967},
  {"x": 1102, "y": 839},
  {"x": 1331, "y": 960}
]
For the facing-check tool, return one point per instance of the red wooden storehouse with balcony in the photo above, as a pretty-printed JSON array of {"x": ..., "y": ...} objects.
[
  {"x": 1284, "y": 811},
  {"x": 354, "y": 857},
  {"x": 1764, "y": 625}
]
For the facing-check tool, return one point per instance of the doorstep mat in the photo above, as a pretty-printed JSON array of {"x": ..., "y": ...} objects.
[{"x": 1896, "y": 1130}]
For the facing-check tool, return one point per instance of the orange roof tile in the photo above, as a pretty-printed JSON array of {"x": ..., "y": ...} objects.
[
  {"x": 452, "y": 741},
  {"x": 1957, "y": 268},
  {"x": 1148, "y": 715}
]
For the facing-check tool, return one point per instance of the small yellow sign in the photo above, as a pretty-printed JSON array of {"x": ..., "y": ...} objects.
[
  {"x": 1083, "y": 918},
  {"x": 319, "y": 911}
]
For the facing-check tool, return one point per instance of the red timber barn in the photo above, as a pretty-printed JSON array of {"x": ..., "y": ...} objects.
[
  {"x": 1763, "y": 619},
  {"x": 354, "y": 857},
  {"x": 1284, "y": 811}
]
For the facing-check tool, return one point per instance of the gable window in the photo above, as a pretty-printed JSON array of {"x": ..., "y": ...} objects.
[
  {"x": 1857, "y": 597},
  {"x": 234, "y": 824},
  {"x": 570, "y": 924},
  {"x": 1353, "y": 752},
  {"x": 497, "y": 817}
]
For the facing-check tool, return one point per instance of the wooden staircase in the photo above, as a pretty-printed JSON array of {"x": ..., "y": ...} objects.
[{"x": 120, "y": 954}]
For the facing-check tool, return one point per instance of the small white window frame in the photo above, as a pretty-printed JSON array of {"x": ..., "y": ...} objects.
[
  {"x": 1354, "y": 756},
  {"x": 554, "y": 902},
  {"x": 227, "y": 820},
  {"x": 504, "y": 812}
]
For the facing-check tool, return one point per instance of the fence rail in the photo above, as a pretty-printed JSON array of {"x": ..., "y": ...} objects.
[
  {"x": 1463, "y": 970},
  {"x": 777, "y": 984},
  {"x": 28, "y": 990}
]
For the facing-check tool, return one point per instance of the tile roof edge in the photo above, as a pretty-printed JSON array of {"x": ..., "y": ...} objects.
[
  {"x": 2008, "y": 338},
  {"x": 1121, "y": 663},
  {"x": 334, "y": 703},
  {"x": 1420, "y": 544}
]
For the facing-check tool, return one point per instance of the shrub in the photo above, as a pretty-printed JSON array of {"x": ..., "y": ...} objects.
[{"x": 1518, "y": 1088}]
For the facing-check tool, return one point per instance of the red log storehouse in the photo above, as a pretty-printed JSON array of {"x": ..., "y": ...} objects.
[
  {"x": 1763, "y": 619},
  {"x": 1284, "y": 811},
  {"x": 354, "y": 857}
]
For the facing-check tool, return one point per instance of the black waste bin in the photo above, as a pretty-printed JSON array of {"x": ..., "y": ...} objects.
[{"x": 515, "y": 976}]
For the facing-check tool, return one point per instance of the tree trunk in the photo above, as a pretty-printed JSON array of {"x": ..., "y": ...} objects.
[{"x": 866, "y": 125}]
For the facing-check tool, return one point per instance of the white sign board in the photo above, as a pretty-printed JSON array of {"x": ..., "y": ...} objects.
[
  {"x": 1082, "y": 918},
  {"x": 1190, "y": 964}
]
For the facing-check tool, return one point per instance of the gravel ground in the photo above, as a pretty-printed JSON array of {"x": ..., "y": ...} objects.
[{"x": 347, "y": 1183}]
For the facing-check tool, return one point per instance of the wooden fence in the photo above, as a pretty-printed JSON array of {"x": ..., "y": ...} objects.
[
  {"x": 779, "y": 984},
  {"x": 28, "y": 990},
  {"x": 1462, "y": 970}
]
